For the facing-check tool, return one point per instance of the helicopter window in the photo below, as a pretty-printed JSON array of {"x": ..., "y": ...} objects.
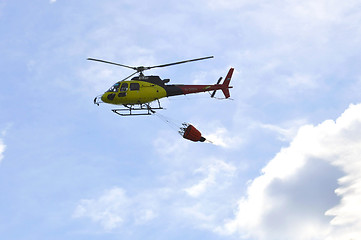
[
  {"x": 134, "y": 86},
  {"x": 114, "y": 88},
  {"x": 124, "y": 87}
]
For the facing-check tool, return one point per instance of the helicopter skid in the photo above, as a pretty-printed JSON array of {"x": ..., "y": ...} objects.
[{"x": 141, "y": 110}]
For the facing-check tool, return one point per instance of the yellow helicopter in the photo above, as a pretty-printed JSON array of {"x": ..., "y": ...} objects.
[{"x": 138, "y": 93}]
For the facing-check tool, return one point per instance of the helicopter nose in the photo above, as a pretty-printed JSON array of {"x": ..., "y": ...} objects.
[
  {"x": 103, "y": 98},
  {"x": 108, "y": 97}
]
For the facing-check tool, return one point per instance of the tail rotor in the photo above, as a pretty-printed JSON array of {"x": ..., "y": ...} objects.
[{"x": 225, "y": 85}]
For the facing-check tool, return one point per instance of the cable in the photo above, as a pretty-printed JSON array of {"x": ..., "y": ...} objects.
[{"x": 168, "y": 121}]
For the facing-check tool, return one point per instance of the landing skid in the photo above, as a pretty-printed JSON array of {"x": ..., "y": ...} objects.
[{"x": 137, "y": 109}]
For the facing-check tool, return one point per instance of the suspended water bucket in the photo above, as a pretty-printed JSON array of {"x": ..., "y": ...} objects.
[{"x": 189, "y": 132}]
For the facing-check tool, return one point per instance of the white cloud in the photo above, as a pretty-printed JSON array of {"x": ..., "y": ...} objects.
[
  {"x": 114, "y": 208},
  {"x": 307, "y": 13},
  {"x": 295, "y": 196},
  {"x": 145, "y": 215},
  {"x": 298, "y": 80},
  {"x": 96, "y": 77},
  {"x": 222, "y": 137},
  {"x": 295, "y": 47},
  {"x": 287, "y": 131},
  {"x": 211, "y": 198},
  {"x": 217, "y": 170},
  {"x": 2, "y": 144},
  {"x": 2, "y": 149},
  {"x": 109, "y": 210},
  {"x": 200, "y": 202}
]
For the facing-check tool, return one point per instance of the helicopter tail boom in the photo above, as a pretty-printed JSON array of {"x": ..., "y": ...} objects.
[{"x": 173, "y": 90}]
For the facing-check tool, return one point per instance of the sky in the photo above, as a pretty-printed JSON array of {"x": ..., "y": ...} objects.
[{"x": 284, "y": 162}]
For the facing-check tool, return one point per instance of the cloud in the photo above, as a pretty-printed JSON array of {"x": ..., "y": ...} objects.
[
  {"x": 291, "y": 49},
  {"x": 109, "y": 210},
  {"x": 309, "y": 190},
  {"x": 114, "y": 209},
  {"x": 286, "y": 132},
  {"x": 211, "y": 198},
  {"x": 199, "y": 199},
  {"x": 2, "y": 144},
  {"x": 295, "y": 197},
  {"x": 222, "y": 137},
  {"x": 2, "y": 149},
  {"x": 217, "y": 170}
]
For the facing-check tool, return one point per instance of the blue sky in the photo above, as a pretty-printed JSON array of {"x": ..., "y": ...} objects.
[{"x": 285, "y": 159}]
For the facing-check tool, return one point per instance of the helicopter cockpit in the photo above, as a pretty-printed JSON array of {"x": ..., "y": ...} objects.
[
  {"x": 114, "y": 88},
  {"x": 123, "y": 87}
]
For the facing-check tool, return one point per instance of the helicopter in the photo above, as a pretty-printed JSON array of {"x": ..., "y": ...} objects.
[{"x": 139, "y": 93}]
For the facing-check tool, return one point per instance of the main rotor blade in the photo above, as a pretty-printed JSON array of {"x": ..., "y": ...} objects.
[
  {"x": 170, "y": 64},
  {"x": 129, "y": 76},
  {"x": 103, "y": 61}
]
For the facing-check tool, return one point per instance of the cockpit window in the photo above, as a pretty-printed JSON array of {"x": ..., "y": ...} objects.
[
  {"x": 124, "y": 87},
  {"x": 134, "y": 86},
  {"x": 114, "y": 88}
]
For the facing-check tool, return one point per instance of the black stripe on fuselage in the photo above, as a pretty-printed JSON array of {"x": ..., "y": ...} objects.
[{"x": 171, "y": 90}]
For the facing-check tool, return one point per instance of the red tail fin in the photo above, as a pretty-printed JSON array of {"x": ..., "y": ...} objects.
[{"x": 225, "y": 85}]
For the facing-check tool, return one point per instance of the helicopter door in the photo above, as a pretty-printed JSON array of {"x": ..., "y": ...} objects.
[
  {"x": 134, "y": 92},
  {"x": 123, "y": 90},
  {"x": 134, "y": 86}
]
